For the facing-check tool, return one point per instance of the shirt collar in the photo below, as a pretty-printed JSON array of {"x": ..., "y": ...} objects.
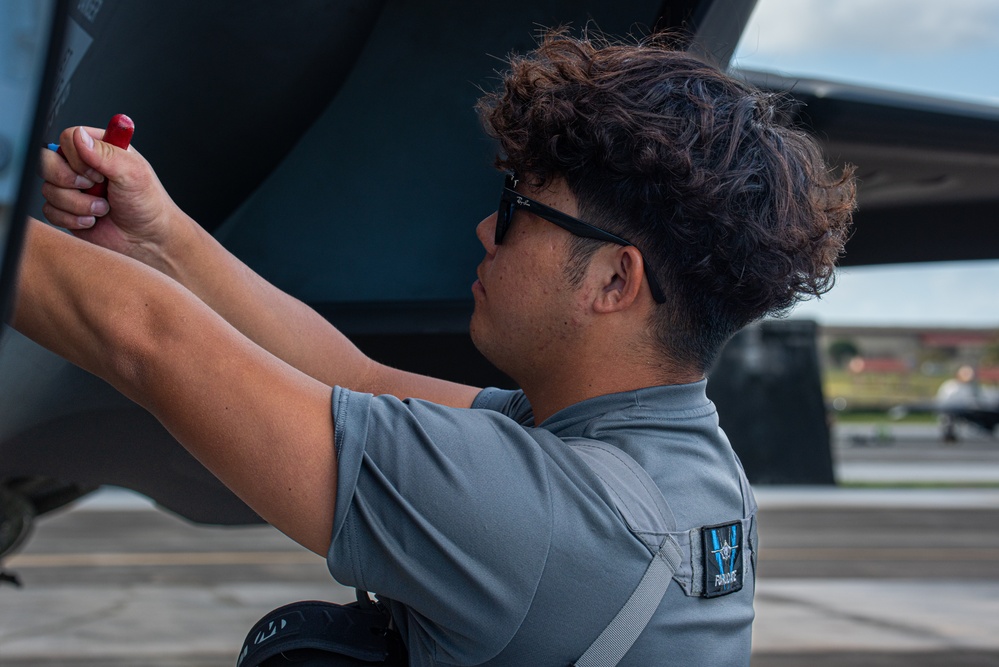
[{"x": 675, "y": 401}]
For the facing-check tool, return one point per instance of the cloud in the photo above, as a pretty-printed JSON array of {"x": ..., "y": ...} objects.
[{"x": 790, "y": 27}]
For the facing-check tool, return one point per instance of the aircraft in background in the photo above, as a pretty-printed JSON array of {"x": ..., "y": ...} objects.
[{"x": 960, "y": 400}]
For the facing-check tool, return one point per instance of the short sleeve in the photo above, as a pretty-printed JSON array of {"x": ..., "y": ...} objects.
[
  {"x": 512, "y": 403},
  {"x": 444, "y": 510}
]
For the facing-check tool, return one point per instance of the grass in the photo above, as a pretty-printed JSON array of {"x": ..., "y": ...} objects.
[
  {"x": 918, "y": 485},
  {"x": 878, "y": 417},
  {"x": 882, "y": 389}
]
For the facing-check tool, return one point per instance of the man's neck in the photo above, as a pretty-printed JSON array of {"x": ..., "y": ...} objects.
[{"x": 573, "y": 383}]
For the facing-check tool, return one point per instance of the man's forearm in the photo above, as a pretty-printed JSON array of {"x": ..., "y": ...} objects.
[
  {"x": 273, "y": 319},
  {"x": 283, "y": 325},
  {"x": 51, "y": 304},
  {"x": 261, "y": 426}
]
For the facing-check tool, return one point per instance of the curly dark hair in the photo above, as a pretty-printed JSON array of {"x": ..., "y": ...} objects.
[{"x": 735, "y": 211}]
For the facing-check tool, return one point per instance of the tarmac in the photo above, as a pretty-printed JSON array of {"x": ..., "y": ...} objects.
[
  {"x": 903, "y": 571},
  {"x": 946, "y": 613}
]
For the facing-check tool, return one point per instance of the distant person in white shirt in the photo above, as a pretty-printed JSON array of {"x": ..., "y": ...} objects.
[{"x": 960, "y": 395}]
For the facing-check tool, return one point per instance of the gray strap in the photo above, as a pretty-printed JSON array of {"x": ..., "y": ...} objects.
[
  {"x": 618, "y": 637},
  {"x": 648, "y": 516},
  {"x": 635, "y": 494}
]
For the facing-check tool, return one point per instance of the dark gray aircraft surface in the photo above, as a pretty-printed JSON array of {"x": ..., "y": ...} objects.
[{"x": 333, "y": 147}]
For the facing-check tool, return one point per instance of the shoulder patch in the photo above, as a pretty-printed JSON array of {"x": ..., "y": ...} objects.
[{"x": 722, "y": 555}]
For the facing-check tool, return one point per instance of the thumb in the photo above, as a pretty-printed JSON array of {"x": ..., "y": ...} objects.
[
  {"x": 97, "y": 155},
  {"x": 102, "y": 158}
]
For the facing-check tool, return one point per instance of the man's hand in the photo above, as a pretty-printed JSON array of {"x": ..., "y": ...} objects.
[{"x": 136, "y": 217}]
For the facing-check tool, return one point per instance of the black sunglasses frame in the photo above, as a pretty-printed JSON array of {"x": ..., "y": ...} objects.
[{"x": 511, "y": 200}]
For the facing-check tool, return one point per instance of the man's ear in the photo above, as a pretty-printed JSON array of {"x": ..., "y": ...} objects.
[{"x": 619, "y": 272}]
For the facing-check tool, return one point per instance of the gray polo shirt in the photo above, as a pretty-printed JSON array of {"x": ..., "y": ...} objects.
[{"x": 493, "y": 542}]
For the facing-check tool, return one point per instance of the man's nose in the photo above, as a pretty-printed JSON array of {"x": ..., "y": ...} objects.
[{"x": 486, "y": 232}]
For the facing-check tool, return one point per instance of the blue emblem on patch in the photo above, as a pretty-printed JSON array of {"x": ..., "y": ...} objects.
[{"x": 722, "y": 549}]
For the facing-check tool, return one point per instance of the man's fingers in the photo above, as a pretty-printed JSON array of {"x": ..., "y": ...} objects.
[
  {"x": 70, "y": 142},
  {"x": 66, "y": 206},
  {"x": 67, "y": 220},
  {"x": 73, "y": 201},
  {"x": 55, "y": 169}
]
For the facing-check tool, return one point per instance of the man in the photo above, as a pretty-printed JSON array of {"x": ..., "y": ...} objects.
[{"x": 658, "y": 206}]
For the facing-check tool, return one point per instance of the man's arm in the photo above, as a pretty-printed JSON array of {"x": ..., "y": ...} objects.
[
  {"x": 264, "y": 428},
  {"x": 144, "y": 223}
]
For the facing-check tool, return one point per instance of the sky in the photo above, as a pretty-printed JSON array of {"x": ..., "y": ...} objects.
[
  {"x": 952, "y": 294},
  {"x": 949, "y": 49}
]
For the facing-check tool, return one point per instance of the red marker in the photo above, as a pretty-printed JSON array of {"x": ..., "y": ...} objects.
[{"x": 119, "y": 134}]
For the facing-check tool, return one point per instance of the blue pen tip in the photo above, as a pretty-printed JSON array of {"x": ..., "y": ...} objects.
[{"x": 53, "y": 147}]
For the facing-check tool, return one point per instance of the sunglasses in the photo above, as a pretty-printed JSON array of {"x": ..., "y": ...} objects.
[{"x": 511, "y": 200}]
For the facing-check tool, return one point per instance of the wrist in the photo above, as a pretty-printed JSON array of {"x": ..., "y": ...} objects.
[{"x": 168, "y": 250}]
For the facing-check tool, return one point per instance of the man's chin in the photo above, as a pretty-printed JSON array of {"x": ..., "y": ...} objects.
[
  {"x": 474, "y": 329},
  {"x": 477, "y": 331}
]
